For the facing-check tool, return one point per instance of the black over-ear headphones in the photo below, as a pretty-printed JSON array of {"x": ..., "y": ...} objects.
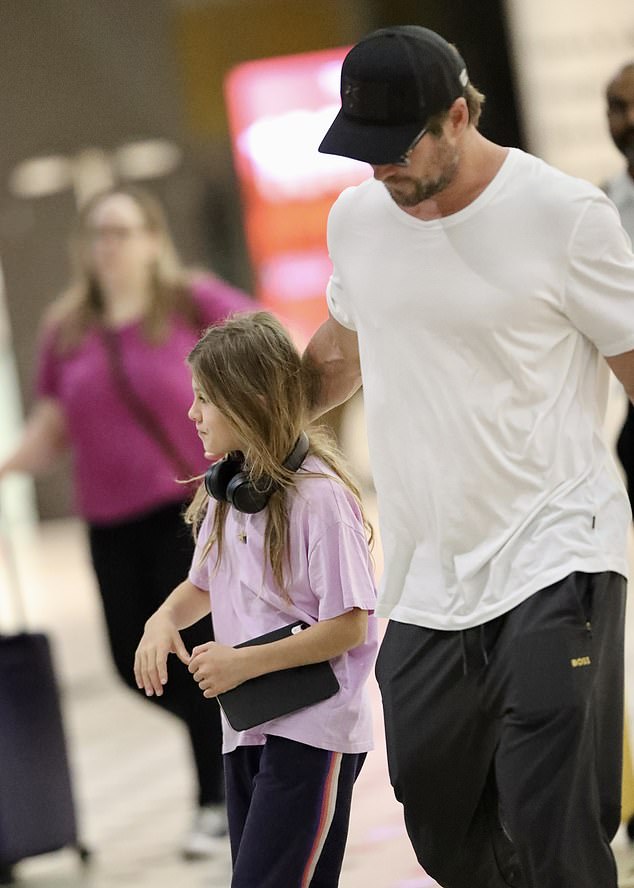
[{"x": 226, "y": 480}]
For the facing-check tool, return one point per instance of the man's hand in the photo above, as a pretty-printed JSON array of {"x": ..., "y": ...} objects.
[
  {"x": 217, "y": 668},
  {"x": 161, "y": 638}
]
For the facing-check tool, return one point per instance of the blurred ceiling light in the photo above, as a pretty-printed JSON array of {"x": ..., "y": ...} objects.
[
  {"x": 93, "y": 169},
  {"x": 41, "y": 176},
  {"x": 92, "y": 172},
  {"x": 148, "y": 159}
]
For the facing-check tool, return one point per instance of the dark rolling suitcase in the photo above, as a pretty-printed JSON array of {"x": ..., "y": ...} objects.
[{"x": 37, "y": 808}]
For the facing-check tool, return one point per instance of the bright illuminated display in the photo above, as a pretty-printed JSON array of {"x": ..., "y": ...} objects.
[{"x": 279, "y": 110}]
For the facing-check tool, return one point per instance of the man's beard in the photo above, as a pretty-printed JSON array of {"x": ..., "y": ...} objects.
[
  {"x": 407, "y": 191},
  {"x": 417, "y": 190}
]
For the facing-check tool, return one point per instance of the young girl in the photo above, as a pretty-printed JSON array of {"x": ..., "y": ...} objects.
[{"x": 303, "y": 556}]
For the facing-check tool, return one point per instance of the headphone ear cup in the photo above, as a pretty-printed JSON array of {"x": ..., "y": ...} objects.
[
  {"x": 226, "y": 481},
  {"x": 244, "y": 496},
  {"x": 218, "y": 476}
]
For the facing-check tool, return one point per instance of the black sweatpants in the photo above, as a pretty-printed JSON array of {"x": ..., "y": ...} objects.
[
  {"x": 137, "y": 564},
  {"x": 288, "y": 806},
  {"x": 505, "y": 741}
]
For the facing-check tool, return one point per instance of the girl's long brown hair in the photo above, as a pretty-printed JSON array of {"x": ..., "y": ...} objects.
[
  {"x": 251, "y": 371},
  {"x": 81, "y": 306}
]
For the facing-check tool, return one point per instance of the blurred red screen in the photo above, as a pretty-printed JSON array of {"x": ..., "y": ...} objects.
[{"x": 279, "y": 110}]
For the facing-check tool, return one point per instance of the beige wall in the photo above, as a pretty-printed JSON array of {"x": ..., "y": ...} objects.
[{"x": 564, "y": 53}]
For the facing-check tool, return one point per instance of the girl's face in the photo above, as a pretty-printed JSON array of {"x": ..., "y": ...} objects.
[
  {"x": 120, "y": 248},
  {"x": 212, "y": 426}
]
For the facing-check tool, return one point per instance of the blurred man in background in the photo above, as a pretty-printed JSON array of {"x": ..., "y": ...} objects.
[{"x": 620, "y": 99}]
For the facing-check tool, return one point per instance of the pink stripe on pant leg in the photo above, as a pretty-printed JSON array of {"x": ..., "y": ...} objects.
[{"x": 328, "y": 804}]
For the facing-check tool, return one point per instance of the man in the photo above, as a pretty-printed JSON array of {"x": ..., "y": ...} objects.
[
  {"x": 620, "y": 98},
  {"x": 474, "y": 290}
]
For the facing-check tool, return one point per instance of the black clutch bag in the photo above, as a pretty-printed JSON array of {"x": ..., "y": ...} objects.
[{"x": 278, "y": 693}]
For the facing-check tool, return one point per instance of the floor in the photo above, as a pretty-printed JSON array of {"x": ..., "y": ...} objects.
[
  {"x": 130, "y": 764},
  {"x": 129, "y": 761}
]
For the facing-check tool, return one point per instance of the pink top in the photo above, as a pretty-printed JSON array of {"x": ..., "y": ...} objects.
[
  {"x": 331, "y": 573},
  {"x": 120, "y": 472}
]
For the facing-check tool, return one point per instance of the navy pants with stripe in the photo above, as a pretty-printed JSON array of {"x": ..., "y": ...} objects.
[
  {"x": 288, "y": 806},
  {"x": 505, "y": 740}
]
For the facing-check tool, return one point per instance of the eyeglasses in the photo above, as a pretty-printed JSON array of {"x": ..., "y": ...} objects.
[{"x": 405, "y": 158}]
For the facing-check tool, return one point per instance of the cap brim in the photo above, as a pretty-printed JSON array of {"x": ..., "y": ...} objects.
[{"x": 370, "y": 142}]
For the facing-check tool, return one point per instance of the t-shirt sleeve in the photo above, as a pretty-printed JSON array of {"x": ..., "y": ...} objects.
[
  {"x": 199, "y": 570},
  {"x": 217, "y": 299},
  {"x": 599, "y": 291},
  {"x": 46, "y": 383},
  {"x": 338, "y": 300},
  {"x": 340, "y": 571}
]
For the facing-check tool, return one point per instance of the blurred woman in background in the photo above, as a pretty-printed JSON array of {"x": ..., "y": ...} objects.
[{"x": 112, "y": 385}]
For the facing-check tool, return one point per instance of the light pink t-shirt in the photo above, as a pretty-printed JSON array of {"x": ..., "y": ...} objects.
[
  {"x": 120, "y": 472},
  {"x": 331, "y": 573}
]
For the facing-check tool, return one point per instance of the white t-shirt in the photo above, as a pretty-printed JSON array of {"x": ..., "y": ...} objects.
[{"x": 480, "y": 337}]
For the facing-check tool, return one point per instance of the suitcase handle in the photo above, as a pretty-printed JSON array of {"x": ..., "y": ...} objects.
[{"x": 12, "y": 575}]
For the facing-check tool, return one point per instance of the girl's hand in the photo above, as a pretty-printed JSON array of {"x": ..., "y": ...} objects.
[
  {"x": 161, "y": 637},
  {"x": 218, "y": 668}
]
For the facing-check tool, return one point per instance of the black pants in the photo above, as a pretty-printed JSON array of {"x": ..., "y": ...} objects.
[
  {"x": 137, "y": 564},
  {"x": 505, "y": 741},
  {"x": 289, "y": 809}
]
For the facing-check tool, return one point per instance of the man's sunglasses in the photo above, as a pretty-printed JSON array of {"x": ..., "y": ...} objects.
[{"x": 405, "y": 158}]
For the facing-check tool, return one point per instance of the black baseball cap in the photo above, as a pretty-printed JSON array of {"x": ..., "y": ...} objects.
[{"x": 392, "y": 83}]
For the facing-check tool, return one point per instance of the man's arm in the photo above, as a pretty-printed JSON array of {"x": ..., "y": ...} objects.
[
  {"x": 331, "y": 362},
  {"x": 623, "y": 368}
]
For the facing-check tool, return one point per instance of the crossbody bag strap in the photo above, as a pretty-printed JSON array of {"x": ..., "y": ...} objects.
[{"x": 139, "y": 410}]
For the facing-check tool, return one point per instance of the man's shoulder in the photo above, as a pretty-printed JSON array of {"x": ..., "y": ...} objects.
[
  {"x": 619, "y": 188},
  {"x": 359, "y": 208},
  {"x": 536, "y": 171},
  {"x": 356, "y": 195},
  {"x": 550, "y": 190}
]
